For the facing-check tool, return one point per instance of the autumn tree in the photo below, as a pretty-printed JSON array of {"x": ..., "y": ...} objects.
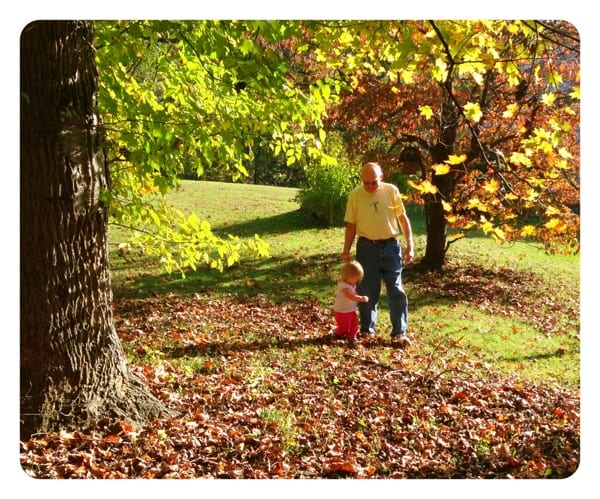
[{"x": 484, "y": 116}]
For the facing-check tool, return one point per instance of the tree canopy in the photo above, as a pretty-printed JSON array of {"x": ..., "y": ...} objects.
[
  {"x": 175, "y": 94},
  {"x": 490, "y": 107}
]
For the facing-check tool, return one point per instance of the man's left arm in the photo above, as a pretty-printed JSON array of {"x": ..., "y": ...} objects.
[{"x": 406, "y": 229}]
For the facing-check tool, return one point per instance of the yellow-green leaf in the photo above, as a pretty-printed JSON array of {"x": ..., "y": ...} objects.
[
  {"x": 552, "y": 210},
  {"x": 491, "y": 186},
  {"x": 456, "y": 160},
  {"x": 575, "y": 94},
  {"x": 440, "y": 70},
  {"x": 441, "y": 169},
  {"x": 426, "y": 111},
  {"x": 426, "y": 187},
  {"x": 499, "y": 234},
  {"x": 510, "y": 111},
  {"x": 473, "y": 111},
  {"x": 549, "y": 98},
  {"x": 528, "y": 230},
  {"x": 322, "y": 135},
  {"x": 476, "y": 204},
  {"x": 518, "y": 158},
  {"x": 407, "y": 76}
]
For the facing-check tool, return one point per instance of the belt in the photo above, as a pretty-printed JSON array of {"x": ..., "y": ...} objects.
[{"x": 378, "y": 241}]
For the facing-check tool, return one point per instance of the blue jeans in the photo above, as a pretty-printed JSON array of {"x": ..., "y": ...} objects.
[{"x": 381, "y": 261}]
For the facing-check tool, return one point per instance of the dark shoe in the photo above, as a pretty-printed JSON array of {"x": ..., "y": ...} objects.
[{"x": 401, "y": 340}]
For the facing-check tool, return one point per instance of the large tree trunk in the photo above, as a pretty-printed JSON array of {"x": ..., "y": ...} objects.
[
  {"x": 73, "y": 369},
  {"x": 435, "y": 216},
  {"x": 435, "y": 223}
]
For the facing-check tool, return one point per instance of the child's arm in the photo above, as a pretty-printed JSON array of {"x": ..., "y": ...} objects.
[{"x": 348, "y": 293}]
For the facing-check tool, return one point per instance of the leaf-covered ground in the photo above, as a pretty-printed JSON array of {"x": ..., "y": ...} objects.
[{"x": 264, "y": 391}]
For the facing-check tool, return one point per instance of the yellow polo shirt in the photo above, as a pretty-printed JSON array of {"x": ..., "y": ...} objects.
[{"x": 375, "y": 213}]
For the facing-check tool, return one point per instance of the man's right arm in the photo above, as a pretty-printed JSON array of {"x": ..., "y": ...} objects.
[{"x": 349, "y": 236}]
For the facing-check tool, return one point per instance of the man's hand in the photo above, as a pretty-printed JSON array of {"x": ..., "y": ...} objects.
[{"x": 407, "y": 255}]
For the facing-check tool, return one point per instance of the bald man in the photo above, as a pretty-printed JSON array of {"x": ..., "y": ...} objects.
[{"x": 375, "y": 213}]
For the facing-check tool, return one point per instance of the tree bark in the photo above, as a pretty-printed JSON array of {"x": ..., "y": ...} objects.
[
  {"x": 436, "y": 224},
  {"x": 73, "y": 368}
]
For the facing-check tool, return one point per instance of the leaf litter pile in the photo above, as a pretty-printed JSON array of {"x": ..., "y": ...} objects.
[{"x": 263, "y": 390}]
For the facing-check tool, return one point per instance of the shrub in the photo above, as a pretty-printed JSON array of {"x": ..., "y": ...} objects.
[{"x": 327, "y": 185}]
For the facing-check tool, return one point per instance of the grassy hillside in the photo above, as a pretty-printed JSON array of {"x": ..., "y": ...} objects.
[{"x": 500, "y": 302}]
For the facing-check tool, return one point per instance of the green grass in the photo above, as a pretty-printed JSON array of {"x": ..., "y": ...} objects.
[{"x": 512, "y": 308}]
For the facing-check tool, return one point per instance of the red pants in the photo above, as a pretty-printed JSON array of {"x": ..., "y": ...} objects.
[{"x": 347, "y": 324}]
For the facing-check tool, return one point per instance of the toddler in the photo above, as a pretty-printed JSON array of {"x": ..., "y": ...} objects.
[{"x": 346, "y": 299}]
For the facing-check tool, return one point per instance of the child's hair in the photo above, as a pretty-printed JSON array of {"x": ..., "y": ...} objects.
[{"x": 352, "y": 269}]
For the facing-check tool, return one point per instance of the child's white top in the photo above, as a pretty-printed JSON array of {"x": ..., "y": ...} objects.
[{"x": 342, "y": 303}]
